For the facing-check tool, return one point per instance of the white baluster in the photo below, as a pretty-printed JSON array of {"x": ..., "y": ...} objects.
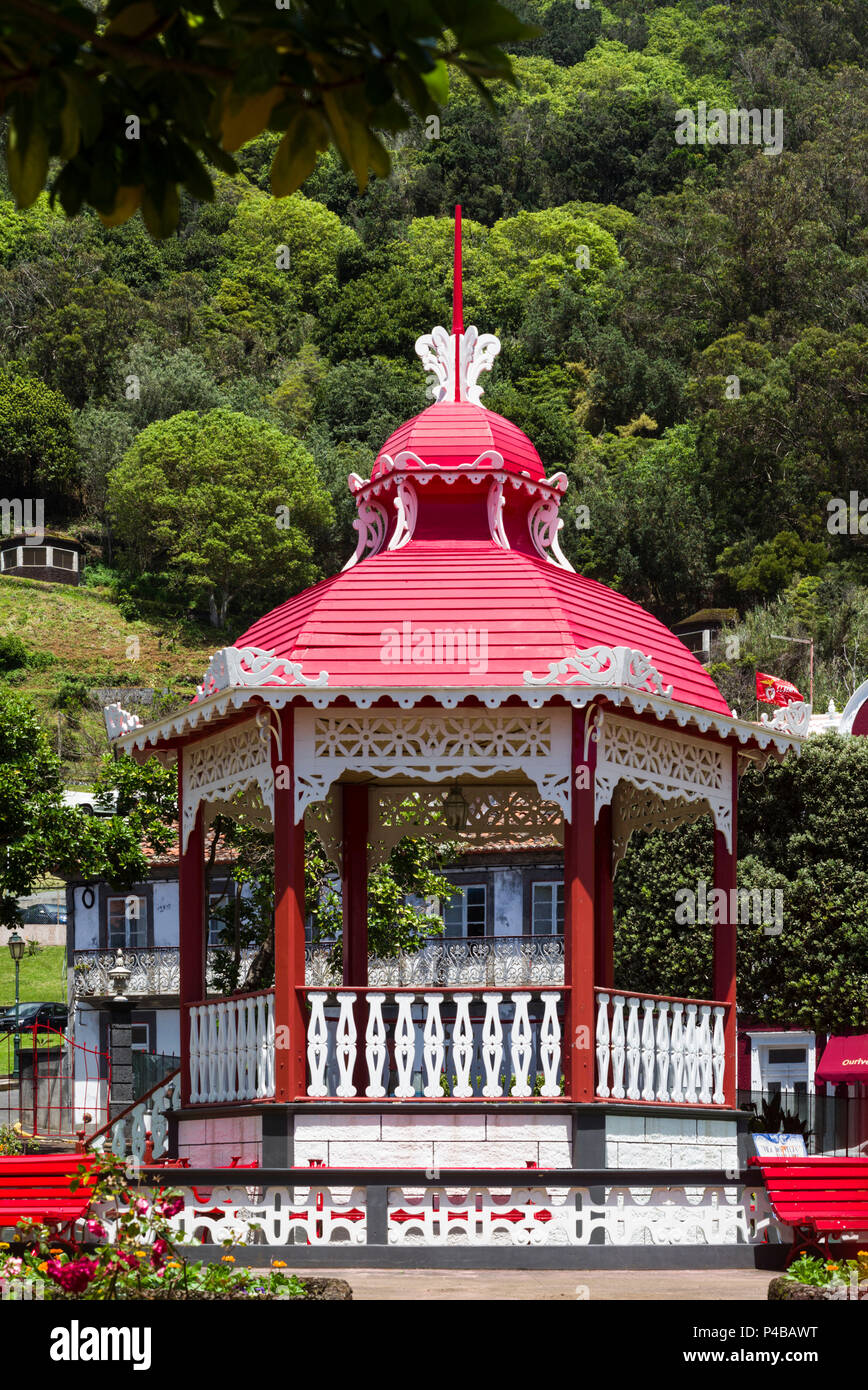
[
  {"x": 647, "y": 1049},
  {"x": 633, "y": 1049},
  {"x": 521, "y": 1045},
  {"x": 265, "y": 1048},
  {"x": 256, "y": 1041},
  {"x": 691, "y": 1056},
  {"x": 718, "y": 1056},
  {"x": 704, "y": 1054},
  {"x": 405, "y": 1046},
  {"x": 676, "y": 1052},
  {"x": 618, "y": 1053},
  {"x": 662, "y": 1049},
  {"x": 317, "y": 1045},
  {"x": 462, "y": 1045},
  {"x": 215, "y": 1040},
  {"x": 375, "y": 1045},
  {"x": 231, "y": 1050},
  {"x": 345, "y": 1043},
  {"x": 492, "y": 1045},
  {"x": 195, "y": 1095},
  {"x": 550, "y": 1045},
  {"x": 433, "y": 1050},
  {"x": 602, "y": 1040}
]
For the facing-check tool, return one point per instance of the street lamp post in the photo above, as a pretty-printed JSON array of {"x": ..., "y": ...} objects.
[{"x": 17, "y": 946}]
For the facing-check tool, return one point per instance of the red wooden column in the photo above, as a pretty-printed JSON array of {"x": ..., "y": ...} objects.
[
  {"x": 604, "y": 929},
  {"x": 191, "y": 927},
  {"x": 290, "y": 1023},
  {"x": 354, "y": 883},
  {"x": 579, "y": 857},
  {"x": 725, "y": 935},
  {"x": 354, "y": 899}
]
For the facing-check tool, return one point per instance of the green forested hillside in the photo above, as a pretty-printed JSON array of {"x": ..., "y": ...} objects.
[{"x": 683, "y": 333}]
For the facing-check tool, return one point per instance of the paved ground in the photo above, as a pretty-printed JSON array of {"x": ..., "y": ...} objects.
[{"x": 424, "y": 1285}]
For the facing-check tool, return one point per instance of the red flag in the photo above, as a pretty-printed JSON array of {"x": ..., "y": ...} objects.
[{"x": 774, "y": 691}]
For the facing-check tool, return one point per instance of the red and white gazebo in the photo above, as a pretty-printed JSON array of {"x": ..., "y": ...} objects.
[{"x": 457, "y": 649}]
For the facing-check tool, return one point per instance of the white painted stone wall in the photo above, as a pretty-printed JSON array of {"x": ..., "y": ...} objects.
[
  {"x": 659, "y": 1141},
  {"x": 213, "y": 1142},
  {"x": 86, "y": 921},
  {"x": 433, "y": 1141}
]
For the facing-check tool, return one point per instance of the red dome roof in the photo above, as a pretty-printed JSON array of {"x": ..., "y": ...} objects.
[
  {"x": 452, "y": 433},
  {"x": 507, "y": 612}
]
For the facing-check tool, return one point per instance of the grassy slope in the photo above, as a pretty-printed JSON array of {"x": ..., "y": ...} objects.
[
  {"x": 86, "y": 633},
  {"x": 41, "y": 977}
]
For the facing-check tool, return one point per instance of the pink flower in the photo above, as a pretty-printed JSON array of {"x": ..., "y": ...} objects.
[
  {"x": 172, "y": 1206},
  {"x": 96, "y": 1228},
  {"x": 159, "y": 1252},
  {"x": 142, "y": 1206},
  {"x": 74, "y": 1276}
]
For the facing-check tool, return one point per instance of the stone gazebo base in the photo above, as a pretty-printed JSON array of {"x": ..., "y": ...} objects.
[{"x": 460, "y": 1134}]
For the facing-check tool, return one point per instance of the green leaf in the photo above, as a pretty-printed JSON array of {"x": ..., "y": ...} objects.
[
  {"x": 437, "y": 82},
  {"x": 350, "y": 133},
  {"x": 161, "y": 214},
  {"x": 27, "y": 164},
  {"x": 296, "y": 154}
]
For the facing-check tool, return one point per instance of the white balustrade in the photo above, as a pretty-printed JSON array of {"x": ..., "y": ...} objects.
[
  {"x": 671, "y": 1050},
  {"x": 232, "y": 1049},
  {"x": 435, "y": 1044}
]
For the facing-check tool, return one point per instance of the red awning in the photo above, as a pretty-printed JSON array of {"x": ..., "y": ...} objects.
[{"x": 844, "y": 1060}]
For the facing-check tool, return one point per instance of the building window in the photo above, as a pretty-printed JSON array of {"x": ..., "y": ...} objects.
[
  {"x": 216, "y": 924},
  {"x": 62, "y": 559},
  {"x": 141, "y": 1037},
  {"x": 547, "y": 909},
  {"x": 127, "y": 922},
  {"x": 782, "y": 1056},
  {"x": 464, "y": 913},
  {"x": 34, "y": 556}
]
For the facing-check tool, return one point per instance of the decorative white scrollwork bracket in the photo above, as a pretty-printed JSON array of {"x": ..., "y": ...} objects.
[
  {"x": 603, "y": 665},
  {"x": 476, "y": 354},
  {"x": 250, "y": 666},
  {"x": 794, "y": 718}
]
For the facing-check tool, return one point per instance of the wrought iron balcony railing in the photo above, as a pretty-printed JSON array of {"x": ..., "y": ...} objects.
[{"x": 448, "y": 961}]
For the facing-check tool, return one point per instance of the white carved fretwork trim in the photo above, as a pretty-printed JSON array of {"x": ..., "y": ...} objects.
[
  {"x": 218, "y": 768},
  {"x": 253, "y": 666},
  {"x": 674, "y": 766},
  {"x": 601, "y": 665},
  {"x": 407, "y": 507},
  {"x": 476, "y": 354},
  {"x": 432, "y": 746},
  {"x": 646, "y": 810},
  {"x": 545, "y": 526},
  {"x": 372, "y": 522}
]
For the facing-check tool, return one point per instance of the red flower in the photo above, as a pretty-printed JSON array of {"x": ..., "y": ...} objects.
[
  {"x": 96, "y": 1228},
  {"x": 74, "y": 1276},
  {"x": 159, "y": 1252},
  {"x": 172, "y": 1206}
]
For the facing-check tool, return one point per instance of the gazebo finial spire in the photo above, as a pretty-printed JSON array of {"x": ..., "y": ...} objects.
[
  {"x": 457, "y": 301},
  {"x": 457, "y": 358},
  {"x": 457, "y": 293}
]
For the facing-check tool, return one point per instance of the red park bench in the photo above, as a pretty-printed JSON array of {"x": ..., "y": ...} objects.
[
  {"x": 37, "y": 1187},
  {"x": 819, "y": 1196}
]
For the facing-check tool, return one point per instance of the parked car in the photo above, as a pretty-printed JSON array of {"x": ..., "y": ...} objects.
[
  {"x": 40, "y": 1014},
  {"x": 43, "y": 912},
  {"x": 88, "y": 803}
]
